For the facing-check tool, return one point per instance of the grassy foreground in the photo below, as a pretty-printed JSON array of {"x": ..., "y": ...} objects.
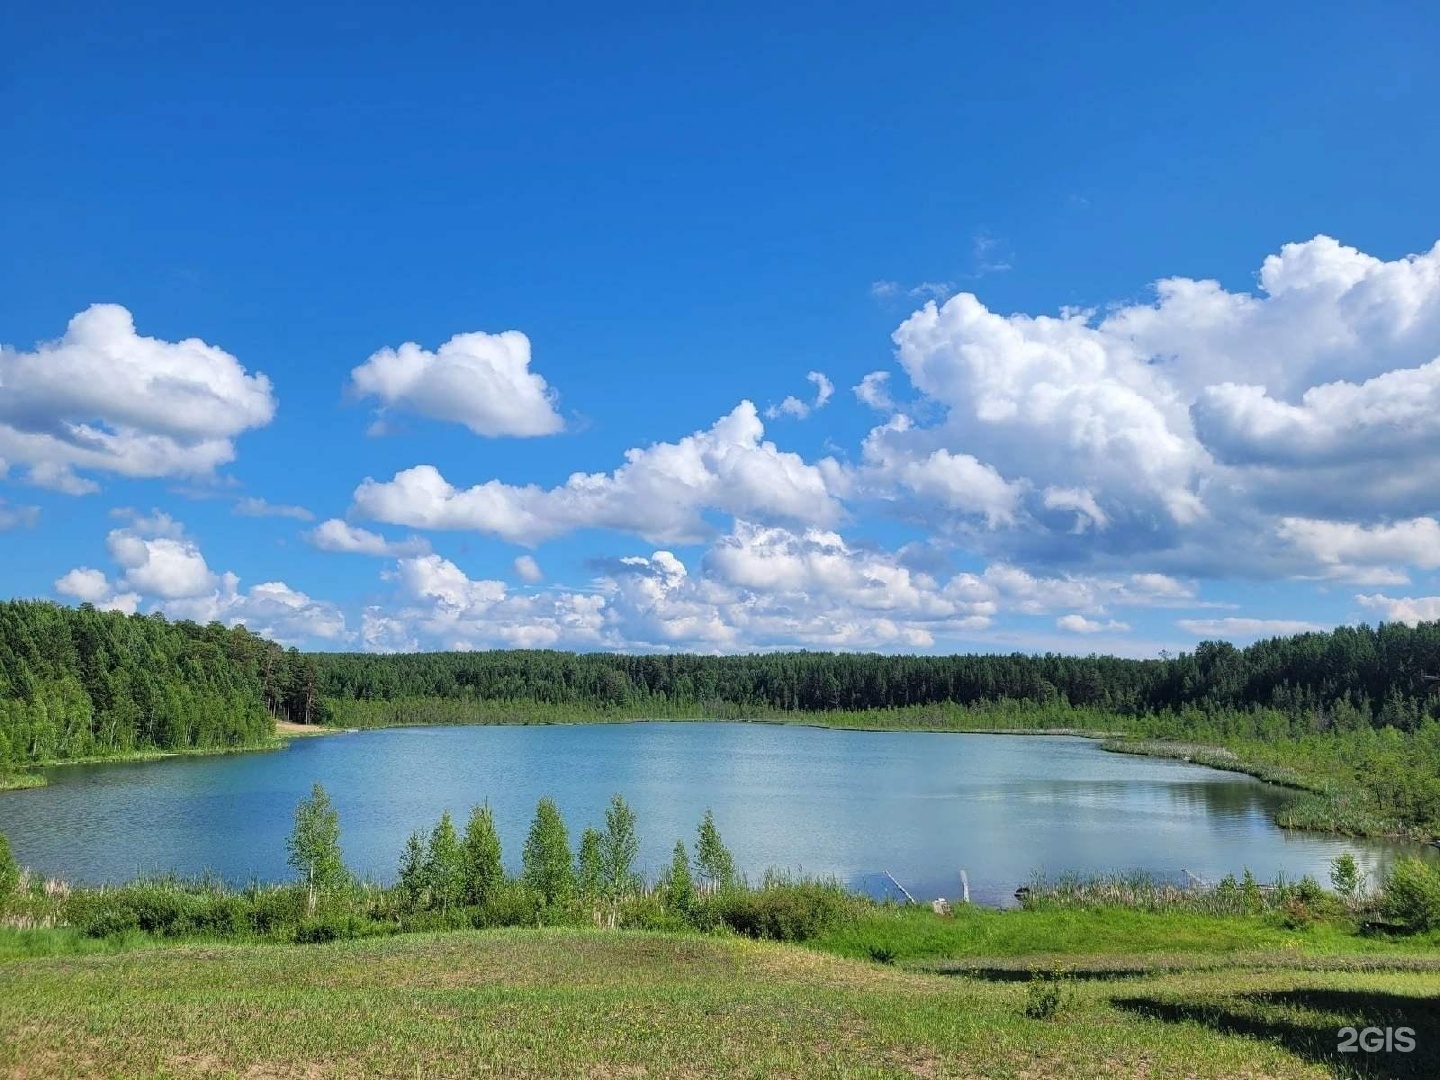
[{"x": 576, "y": 1003}]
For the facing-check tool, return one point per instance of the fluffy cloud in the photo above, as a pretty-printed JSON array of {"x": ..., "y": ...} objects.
[
  {"x": 793, "y": 406},
  {"x": 159, "y": 560},
  {"x": 895, "y": 463},
  {"x": 874, "y": 390},
  {"x": 1407, "y": 609},
  {"x": 758, "y": 587},
  {"x": 1341, "y": 547},
  {"x": 337, "y": 535},
  {"x": 480, "y": 380},
  {"x": 1079, "y": 624},
  {"x": 160, "y": 564},
  {"x": 528, "y": 570},
  {"x": 104, "y": 399},
  {"x": 439, "y": 604},
  {"x": 660, "y": 493},
  {"x": 1186, "y": 433},
  {"x": 90, "y": 586}
]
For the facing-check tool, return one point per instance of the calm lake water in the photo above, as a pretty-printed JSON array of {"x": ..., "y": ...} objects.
[{"x": 848, "y": 804}]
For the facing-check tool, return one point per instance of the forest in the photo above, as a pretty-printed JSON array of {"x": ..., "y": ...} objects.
[
  {"x": 1346, "y": 679},
  {"x": 79, "y": 683}
]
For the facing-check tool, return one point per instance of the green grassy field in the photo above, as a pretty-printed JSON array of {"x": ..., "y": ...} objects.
[{"x": 574, "y": 1003}]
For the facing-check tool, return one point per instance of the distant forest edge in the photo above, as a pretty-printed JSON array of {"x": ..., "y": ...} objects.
[{"x": 1350, "y": 715}]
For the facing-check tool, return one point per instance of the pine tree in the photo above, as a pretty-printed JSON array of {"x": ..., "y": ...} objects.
[
  {"x": 484, "y": 865},
  {"x": 619, "y": 848},
  {"x": 679, "y": 885},
  {"x": 445, "y": 865},
  {"x": 314, "y": 845},
  {"x": 548, "y": 869},
  {"x": 714, "y": 865}
]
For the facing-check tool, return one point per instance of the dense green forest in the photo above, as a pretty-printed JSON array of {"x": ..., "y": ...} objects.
[
  {"x": 78, "y": 683},
  {"x": 1347, "y": 679}
]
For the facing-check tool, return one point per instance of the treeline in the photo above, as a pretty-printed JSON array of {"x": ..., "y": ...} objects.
[
  {"x": 78, "y": 682},
  {"x": 1346, "y": 679}
]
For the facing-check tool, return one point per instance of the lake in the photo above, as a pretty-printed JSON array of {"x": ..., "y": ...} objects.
[{"x": 848, "y": 804}]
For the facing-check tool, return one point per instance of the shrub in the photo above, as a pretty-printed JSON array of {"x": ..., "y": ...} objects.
[
  {"x": 1412, "y": 895},
  {"x": 1047, "y": 994},
  {"x": 273, "y": 910},
  {"x": 784, "y": 911},
  {"x": 508, "y": 903}
]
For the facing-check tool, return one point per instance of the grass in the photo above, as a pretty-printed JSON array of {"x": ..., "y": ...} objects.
[
  {"x": 910, "y": 934},
  {"x": 17, "y": 781},
  {"x": 541, "y": 1003}
]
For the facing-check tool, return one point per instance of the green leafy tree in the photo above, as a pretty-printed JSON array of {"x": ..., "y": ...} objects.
[
  {"x": 445, "y": 865},
  {"x": 549, "y": 871},
  {"x": 679, "y": 885},
  {"x": 9, "y": 871},
  {"x": 1412, "y": 895},
  {"x": 314, "y": 845},
  {"x": 484, "y": 862},
  {"x": 590, "y": 866},
  {"x": 714, "y": 865},
  {"x": 619, "y": 848},
  {"x": 412, "y": 870},
  {"x": 1346, "y": 877}
]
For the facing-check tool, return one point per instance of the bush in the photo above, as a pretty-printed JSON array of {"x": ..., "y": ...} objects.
[
  {"x": 1412, "y": 895},
  {"x": 506, "y": 903},
  {"x": 272, "y": 910},
  {"x": 335, "y": 927},
  {"x": 1047, "y": 995},
  {"x": 152, "y": 907},
  {"x": 784, "y": 911}
]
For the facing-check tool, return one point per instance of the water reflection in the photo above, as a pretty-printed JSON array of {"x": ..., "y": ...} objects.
[{"x": 848, "y": 804}]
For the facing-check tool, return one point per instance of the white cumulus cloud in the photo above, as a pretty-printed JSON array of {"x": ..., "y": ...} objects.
[
  {"x": 102, "y": 398},
  {"x": 337, "y": 535},
  {"x": 480, "y": 380},
  {"x": 660, "y": 493}
]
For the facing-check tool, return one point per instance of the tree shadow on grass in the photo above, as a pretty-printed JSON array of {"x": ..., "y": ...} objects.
[
  {"x": 1025, "y": 975},
  {"x": 1306, "y": 1022}
]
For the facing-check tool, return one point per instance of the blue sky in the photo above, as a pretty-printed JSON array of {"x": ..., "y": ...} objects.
[{"x": 258, "y": 265}]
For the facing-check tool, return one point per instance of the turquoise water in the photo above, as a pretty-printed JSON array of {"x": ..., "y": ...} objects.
[{"x": 848, "y": 804}]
